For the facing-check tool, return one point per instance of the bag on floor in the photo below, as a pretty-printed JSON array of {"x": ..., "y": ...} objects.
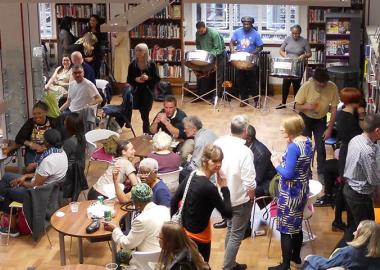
[{"x": 22, "y": 225}]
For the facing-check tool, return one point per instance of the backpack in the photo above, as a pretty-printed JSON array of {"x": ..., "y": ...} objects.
[{"x": 162, "y": 89}]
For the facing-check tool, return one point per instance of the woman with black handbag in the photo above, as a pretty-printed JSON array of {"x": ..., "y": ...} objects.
[{"x": 200, "y": 197}]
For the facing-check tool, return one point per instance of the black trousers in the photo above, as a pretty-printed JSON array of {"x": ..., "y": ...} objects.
[
  {"x": 246, "y": 81},
  {"x": 286, "y": 86},
  {"x": 316, "y": 128},
  {"x": 204, "y": 249},
  {"x": 143, "y": 101},
  {"x": 359, "y": 208}
]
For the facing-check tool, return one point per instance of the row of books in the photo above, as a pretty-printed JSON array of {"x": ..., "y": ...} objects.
[
  {"x": 338, "y": 26},
  {"x": 152, "y": 30},
  {"x": 78, "y": 29},
  {"x": 169, "y": 12},
  {"x": 167, "y": 71},
  {"x": 338, "y": 47},
  {"x": 317, "y": 56},
  {"x": 163, "y": 54},
  {"x": 317, "y": 35},
  {"x": 316, "y": 15},
  {"x": 80, "y": 11}
]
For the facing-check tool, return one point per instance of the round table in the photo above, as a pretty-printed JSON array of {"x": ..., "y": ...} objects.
[{"x": 74, "y": 224}]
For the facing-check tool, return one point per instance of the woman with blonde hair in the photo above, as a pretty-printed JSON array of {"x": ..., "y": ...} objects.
[
  {"x": 294, "y": 169},
  {"x": 362, "y": 253},
  {"x": 202, "y": 198},
  {"x": 143, "y": 76},
  {"x": 168, "y": 161},
  {"x": 178, "y": 251},
  {"x": 86, "y": 45}
]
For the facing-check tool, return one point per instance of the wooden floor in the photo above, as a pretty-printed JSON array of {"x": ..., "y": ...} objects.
[{"x": 23, "y": 252}]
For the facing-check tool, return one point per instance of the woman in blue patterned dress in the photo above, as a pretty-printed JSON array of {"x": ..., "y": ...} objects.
[{"x": 293, "y": 190}]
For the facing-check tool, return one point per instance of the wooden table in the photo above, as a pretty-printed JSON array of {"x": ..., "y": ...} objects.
[
  {"x": 80, "y": 267},
  {"x": 74, "y": 224},
  {"x": 143, "y": 145}
]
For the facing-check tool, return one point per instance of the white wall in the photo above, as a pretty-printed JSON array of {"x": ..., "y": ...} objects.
[{"x": 373, "y": 18}]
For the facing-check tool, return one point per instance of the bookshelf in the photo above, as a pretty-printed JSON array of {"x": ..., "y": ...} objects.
[
  {"x": 81, "y": 15},
  {"x": 163, "y": 33},
  {"x": 334, "y": 35}
]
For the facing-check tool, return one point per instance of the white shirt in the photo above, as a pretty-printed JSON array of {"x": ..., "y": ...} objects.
[
  {"x": 238, "y": 167},
  {"x": 54, "y": 166},
  {"x": 145, "y": 229},
  {"x": 81, "y": 94},
  {"x": 126, "y": 168}
]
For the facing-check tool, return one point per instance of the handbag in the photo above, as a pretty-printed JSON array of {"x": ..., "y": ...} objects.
[{"x": 177, "y": 217}]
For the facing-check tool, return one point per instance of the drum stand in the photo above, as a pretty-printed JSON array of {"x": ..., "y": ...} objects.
[
  {"x": 266, "y": 67},
  {"x": 197, "y": 96}
]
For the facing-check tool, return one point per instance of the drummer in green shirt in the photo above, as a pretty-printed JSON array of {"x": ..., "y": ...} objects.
[{"x": 208, "y": 39}]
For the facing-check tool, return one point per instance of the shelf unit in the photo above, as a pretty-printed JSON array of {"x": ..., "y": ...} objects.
[
  {"x": 371, "y": 78},
  {"x": 81, "y": 15},
  {"x": 163, "y": 33},
  {"x": 334, "y": 48}
]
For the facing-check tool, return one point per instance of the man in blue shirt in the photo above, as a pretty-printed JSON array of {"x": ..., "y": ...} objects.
[{"x": 246, "y": 39}]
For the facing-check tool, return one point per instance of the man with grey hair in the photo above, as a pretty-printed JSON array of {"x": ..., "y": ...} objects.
[
  {"x": 239, "y": 169},
  {"x": 89, "y": 73},
  {"x": 193, "y": 128}
]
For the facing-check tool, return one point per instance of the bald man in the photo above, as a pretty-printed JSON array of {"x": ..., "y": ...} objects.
[{"x": 89, "y": 73}]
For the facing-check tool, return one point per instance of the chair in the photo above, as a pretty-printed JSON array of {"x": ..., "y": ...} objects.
[
  {"x": 171, "y": 179},
  {"x": 144, "y": 258},
  {"x": 92, "y": 150},
  {"x": 264, "y": 200},
  {"x": 101, "y": 85},
  {"x": 123, "y": 112},
  {"x": 38, "y": 205}
]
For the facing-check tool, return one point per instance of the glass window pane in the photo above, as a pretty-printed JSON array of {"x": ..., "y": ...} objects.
[{"x": 217, "y": 16}]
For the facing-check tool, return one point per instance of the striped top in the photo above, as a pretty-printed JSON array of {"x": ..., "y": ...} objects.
[{"x": 361, "y": 170}]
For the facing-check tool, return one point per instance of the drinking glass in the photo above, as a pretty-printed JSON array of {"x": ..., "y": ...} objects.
[
  {"x": 111, "y": 266},
  {"x": 74, "y": 206}
]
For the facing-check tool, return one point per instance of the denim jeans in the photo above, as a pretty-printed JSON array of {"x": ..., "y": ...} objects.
[
  {"x": 236, "y": 227},
  {"x": 316, "y": 128},
  {"x": 10, "y": 194}
]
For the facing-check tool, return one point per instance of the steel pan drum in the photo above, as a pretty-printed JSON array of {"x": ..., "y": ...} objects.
[
  {"x": 286, "y": 68},
  {"x": 243, "y": 60},
  {"x": 200, "y": 60}
]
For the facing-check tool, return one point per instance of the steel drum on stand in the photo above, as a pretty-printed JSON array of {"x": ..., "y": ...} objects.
[
  {"x": 243, "y": 60},
  {"x": 200, "y": 60},
  {"x": 289, "y": 68}
]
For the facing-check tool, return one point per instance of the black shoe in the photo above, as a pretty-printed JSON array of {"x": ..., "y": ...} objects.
[
  {"x": 239, "y": 266},
  {"x": 338, "y": 226},
  {"x": 279, "y": 267},
  {"x": 221, "y": 225},
  {"x": 323, "y": 201},
  {"x": 280, "y": 106}
]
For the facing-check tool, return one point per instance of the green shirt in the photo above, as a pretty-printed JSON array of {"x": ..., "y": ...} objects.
[{"x": 212, "y": 42}]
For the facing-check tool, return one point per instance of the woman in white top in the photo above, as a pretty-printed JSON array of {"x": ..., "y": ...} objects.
[
  {"x": 124, "y": 153},
  {"x": 59, "y": 81}
]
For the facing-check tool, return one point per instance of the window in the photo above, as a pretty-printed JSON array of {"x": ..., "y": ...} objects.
[
  {"x": 272, "y": 21},
  {"x": 46, "y": 20}
]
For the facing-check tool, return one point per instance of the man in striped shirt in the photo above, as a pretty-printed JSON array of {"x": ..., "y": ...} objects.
[{"x": 362, "y": 173}]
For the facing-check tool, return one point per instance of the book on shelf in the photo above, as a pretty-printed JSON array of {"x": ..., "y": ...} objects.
[
  {"x": 338, "y": 26},
  {"x": 169, "y": 71},
  {"x": 317, "y": 56},
  {"x": 153, "y": 30},
  {"x": 317, "y": 35},
  {"x": 176, "y": 12},
  {"x": 316, "y": 15},
  {"x": 78, "y": 29},
  {"x": 339, "y": 47},
  {"x": 337, "y": 63},
  {"x": 80, "y": 10},
  {"x": 158, "y": 53}
]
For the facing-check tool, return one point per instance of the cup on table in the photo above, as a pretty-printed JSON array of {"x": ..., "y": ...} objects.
[
  {"x": 111, "y": 266},
  {"x": 74, "y": 206}
]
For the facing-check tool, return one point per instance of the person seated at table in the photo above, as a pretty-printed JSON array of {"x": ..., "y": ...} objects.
[
  {"x": 202, "y": 136},
  {"x": 124, "y": 153},
  {"x": 178, "y": 251},
  {"x": 169, "y": 119},
  {"x": 361, "y": 253},
  {"x": 146, "y": 227},
  {"x": 168, "y": 161},
  {"x": 51, "y": 167},
  {"x": 31, "y": 134},
  {"x": 59, "y": 81}
]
